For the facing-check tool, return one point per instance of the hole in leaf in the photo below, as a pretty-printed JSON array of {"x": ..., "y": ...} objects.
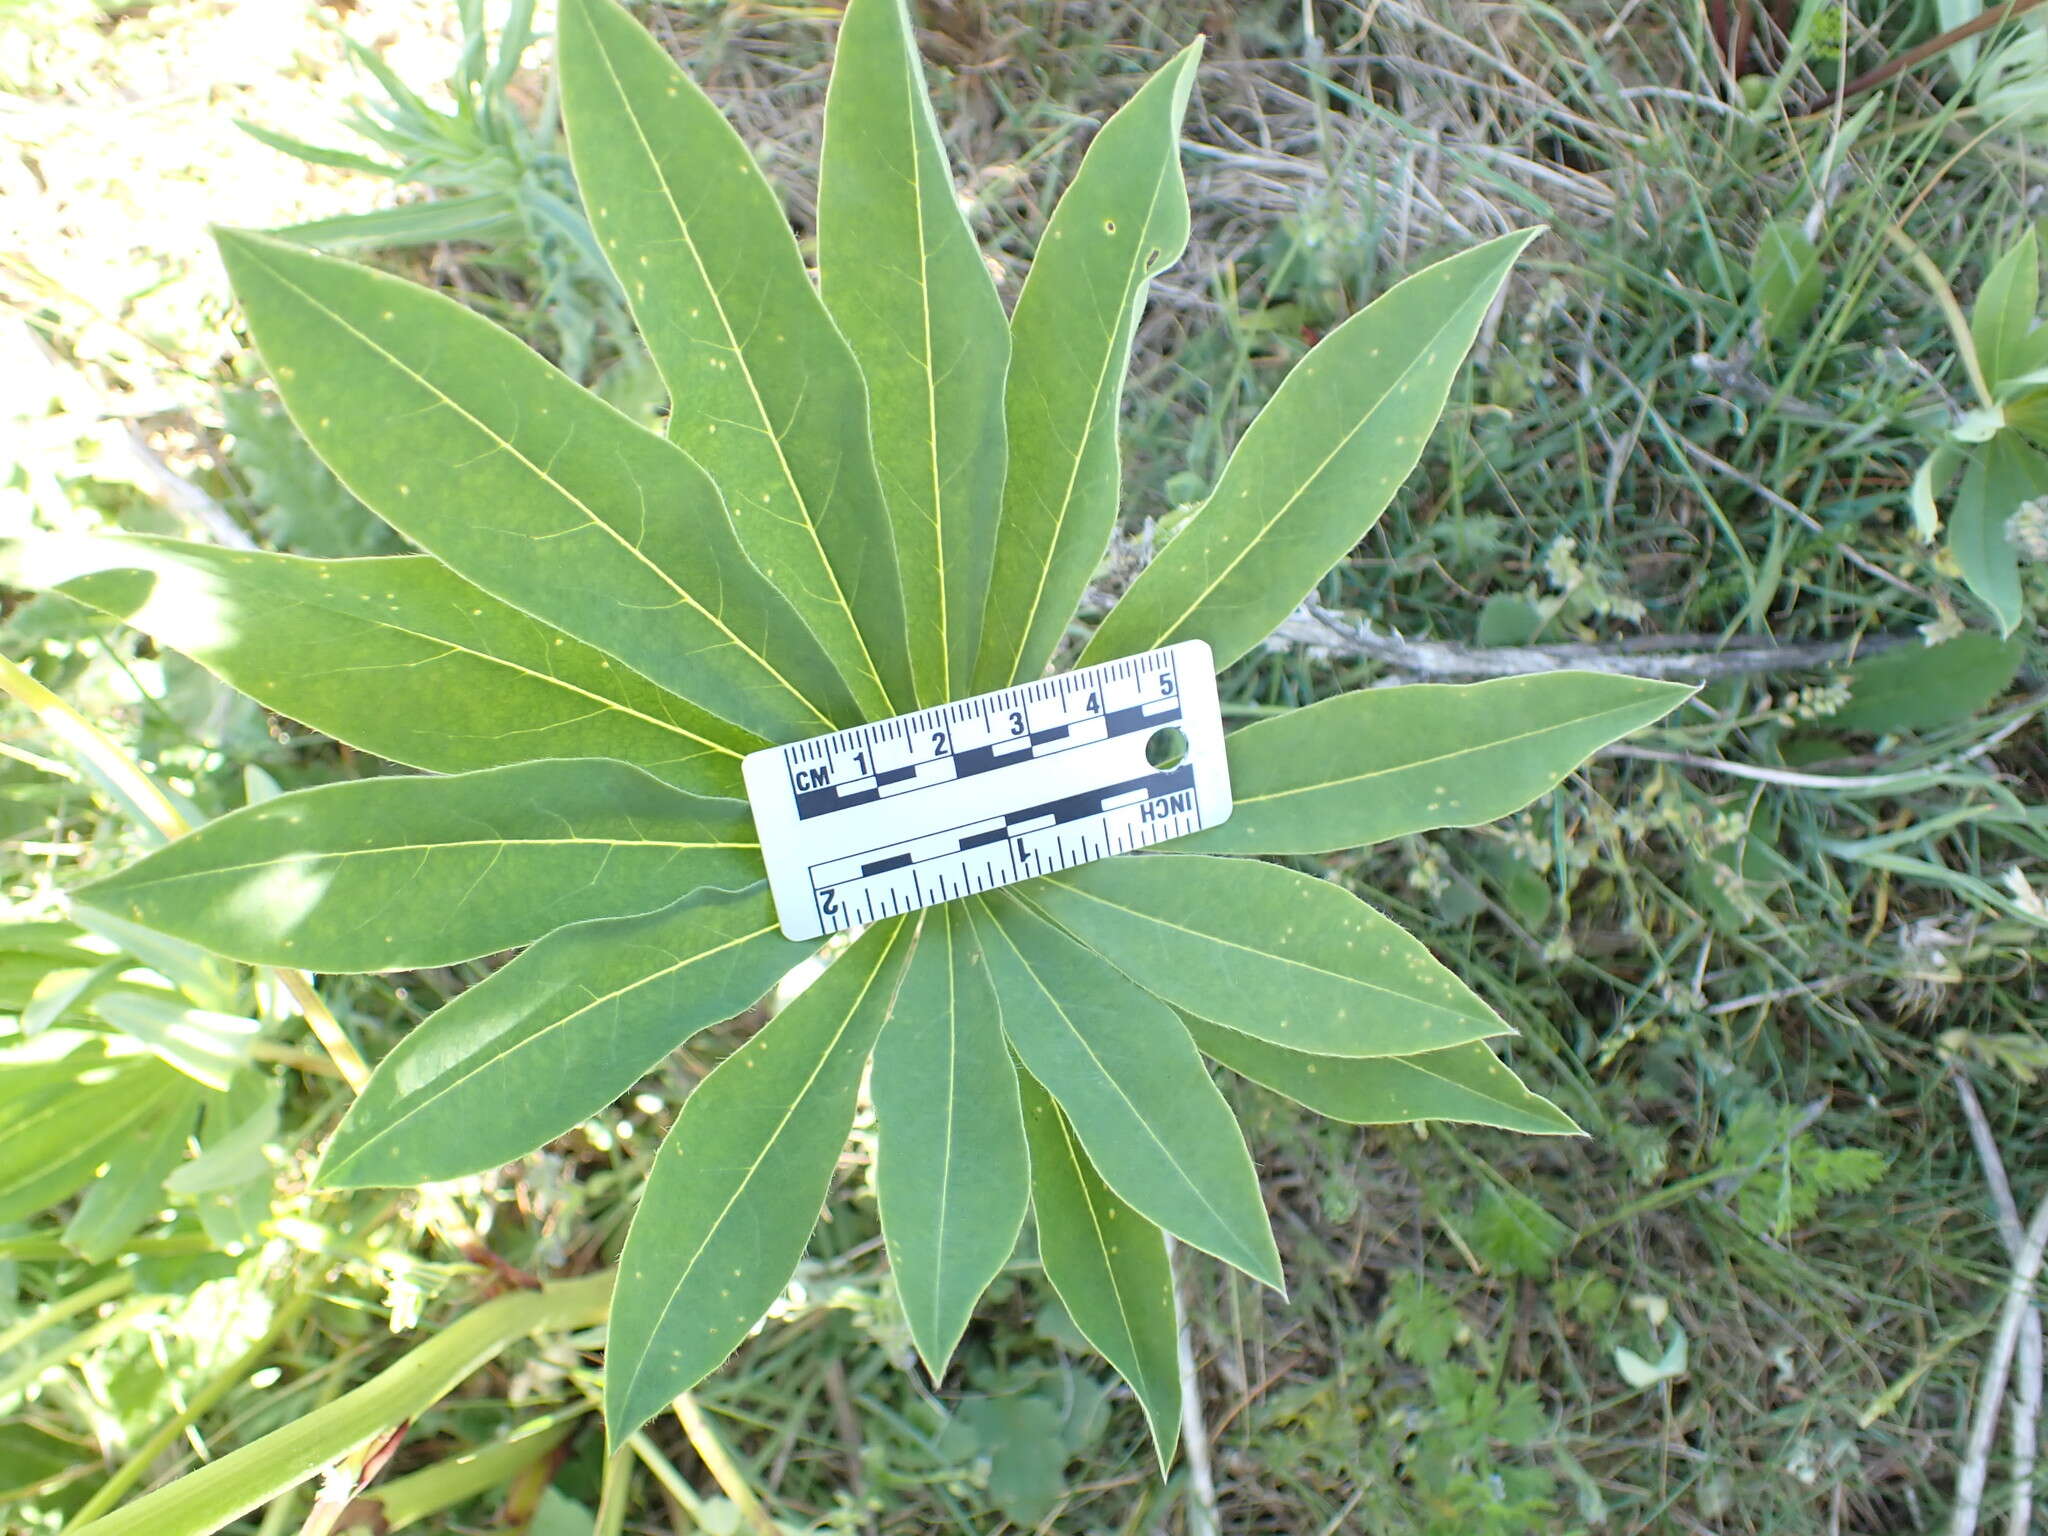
[
  {"x": 1166, "y": 747},
  {"x": 1109, "y": 226}
]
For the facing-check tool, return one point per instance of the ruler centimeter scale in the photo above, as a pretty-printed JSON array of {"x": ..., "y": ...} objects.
[{"x": 885, "y": 818}]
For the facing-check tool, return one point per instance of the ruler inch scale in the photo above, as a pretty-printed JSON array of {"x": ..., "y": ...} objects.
[{"x": 957, "y": 798}]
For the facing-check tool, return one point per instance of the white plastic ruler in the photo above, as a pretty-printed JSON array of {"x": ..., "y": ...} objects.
[{"x": 963, "y": 797}]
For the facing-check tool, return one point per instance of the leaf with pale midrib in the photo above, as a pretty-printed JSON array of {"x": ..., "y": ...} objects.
[
  {"x": 409, "y": 871},
  {"x": 951, "y": 1173},
  {"x": 899, "y": 270},
  {"x": 397, "y": 656},
  {"x": 1122, "y": 221},
  {"x": 542, "y": 1044},
  {"x": 469, "y": 443},
  {"x": 1381, "y": 763},
  {"x": 1129, "y": 1079},
  {"x": 763, "y": 391},
  {"x": 1317, "y": 467},
  {"x": 1267, "y": 950},
  {"x": 1107, "y": 1264},
  {"x": 736, "y": 1186}
]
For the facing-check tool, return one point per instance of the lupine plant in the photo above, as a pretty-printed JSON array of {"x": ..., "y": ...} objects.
[{"x": 875, "y": 491}]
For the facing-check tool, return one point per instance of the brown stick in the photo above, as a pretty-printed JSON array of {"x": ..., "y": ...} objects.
[{"x": 1914, "y": 57}]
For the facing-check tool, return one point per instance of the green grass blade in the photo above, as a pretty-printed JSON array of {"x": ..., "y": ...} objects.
[
  {"x": 900, "y": 272},
  {"x": 475, "y": 448},
  {"x": 396, "y": 873},
  {"x": 1317, "y": 467},
  {"x": 1122, "y": 222},
  {"x": 763, "y": 391},
  {"x": 544, "y": 1043},
  {"x": 397, "y": 656},
  {"x": 1382, "y": 763},
  {"x": 952, "y": 1177},
  {"x": 1130, "y": 1080},
  {"x": 1465, "y": 1082},
  {"x": 1294, "y": 960},
  {"x": 1108, "y": 1265},
  {"x": 736, "y": 1187}
]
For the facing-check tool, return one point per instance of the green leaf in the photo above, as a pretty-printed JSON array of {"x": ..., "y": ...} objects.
[
  {"x": 1512, "y": 1232},
  {"x": 2002, "y": 476},
  {"x": 1922, "y": 687},
  {"x": 131, "y": 1190},
  {"x": 1123, "y": 221},
  {"x": 951, "y": 1173},
  {"x": 2004, "y": 313},
  {"x": 1317, "y": 467},
  {"x": 397, "y": 873},
  {"x": 737, "y": 1185},
  {"x": 207, "y": 1047},
  {"x": 399, "y": 656},
  {"x": 478, "y": 450},
  {"x": 544, "y": 1043},
  {"x": 1382, "y": 763},
  {"x": 1465, "y": 1083},
  {"x": 1133, "y": 1085},
  {"x": 900, "y": 272},
  {"x": 1784, "y": 277},
  {"x": 66, "y": 1103},
  {"x": 1107, "y": 1264},
  {"x": 764, "y": 393},
  {"x": 1273, "y": 952},
  {"x": 1930, "y": 479}
]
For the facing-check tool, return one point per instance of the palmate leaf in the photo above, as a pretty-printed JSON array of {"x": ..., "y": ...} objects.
[
  {"x": 1382, "y": 763},
  {"x": 1108, "y": 1265},
  {"x": 397, "y": 873},
  {"x": 1269, "y": 951},
  {"x": 398, "y": 656},
  {"x": 737, "y": 1186},
  {"x": 1131, "y": 1083},
  {"x": 1122, "y": 222},
  {"x": 763, "y": 392},
  {"x": 549, "y": 1040},
  {"x": 457, "y": 434},
  {"x": 1317, "y": 467},
  {"x": 900, "y": 273},
  {"x": 1463, "y": 1082},
  {"x": 951, "y": 1176}
]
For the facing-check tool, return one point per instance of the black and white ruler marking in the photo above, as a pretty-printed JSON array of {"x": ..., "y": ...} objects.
[{"x": 963, "y": 797}]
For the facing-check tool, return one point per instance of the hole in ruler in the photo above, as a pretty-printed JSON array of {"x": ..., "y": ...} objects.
[{"x": 1166, "y": 747}]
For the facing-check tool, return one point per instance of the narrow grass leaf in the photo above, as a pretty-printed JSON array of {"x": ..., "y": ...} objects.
[
  {"x": 1123, "y": 221},
  {"x": 763, "y": 391},
  {"x": 66, "y": 1103},
  {"x": 1464, "y": 1082},
  {"x": 1267, "y": 950},
  {"x": 122, "y": 1199},
  {"x": 397, "y": 656},
  {"x": 542, "y": 1044},
  {"x": 402, "y": 872},
  {"x": 1381, "y": 763},
  {"x": 474, "y": 447},
  {"x": 1133, "y": 1085},
  {"x": 1108, "y": 1265},
  {"x": 1317, "y": 467},
  {"x": 737, "y": 1185},
  {"x": 952, "y": 1177},
  {"x": 900, "y": 272}
]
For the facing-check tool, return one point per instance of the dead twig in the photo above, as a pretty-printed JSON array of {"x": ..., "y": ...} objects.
[
  {"x": 1686, "y": 658},
  {"x": 2019, "y": 1296}
]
